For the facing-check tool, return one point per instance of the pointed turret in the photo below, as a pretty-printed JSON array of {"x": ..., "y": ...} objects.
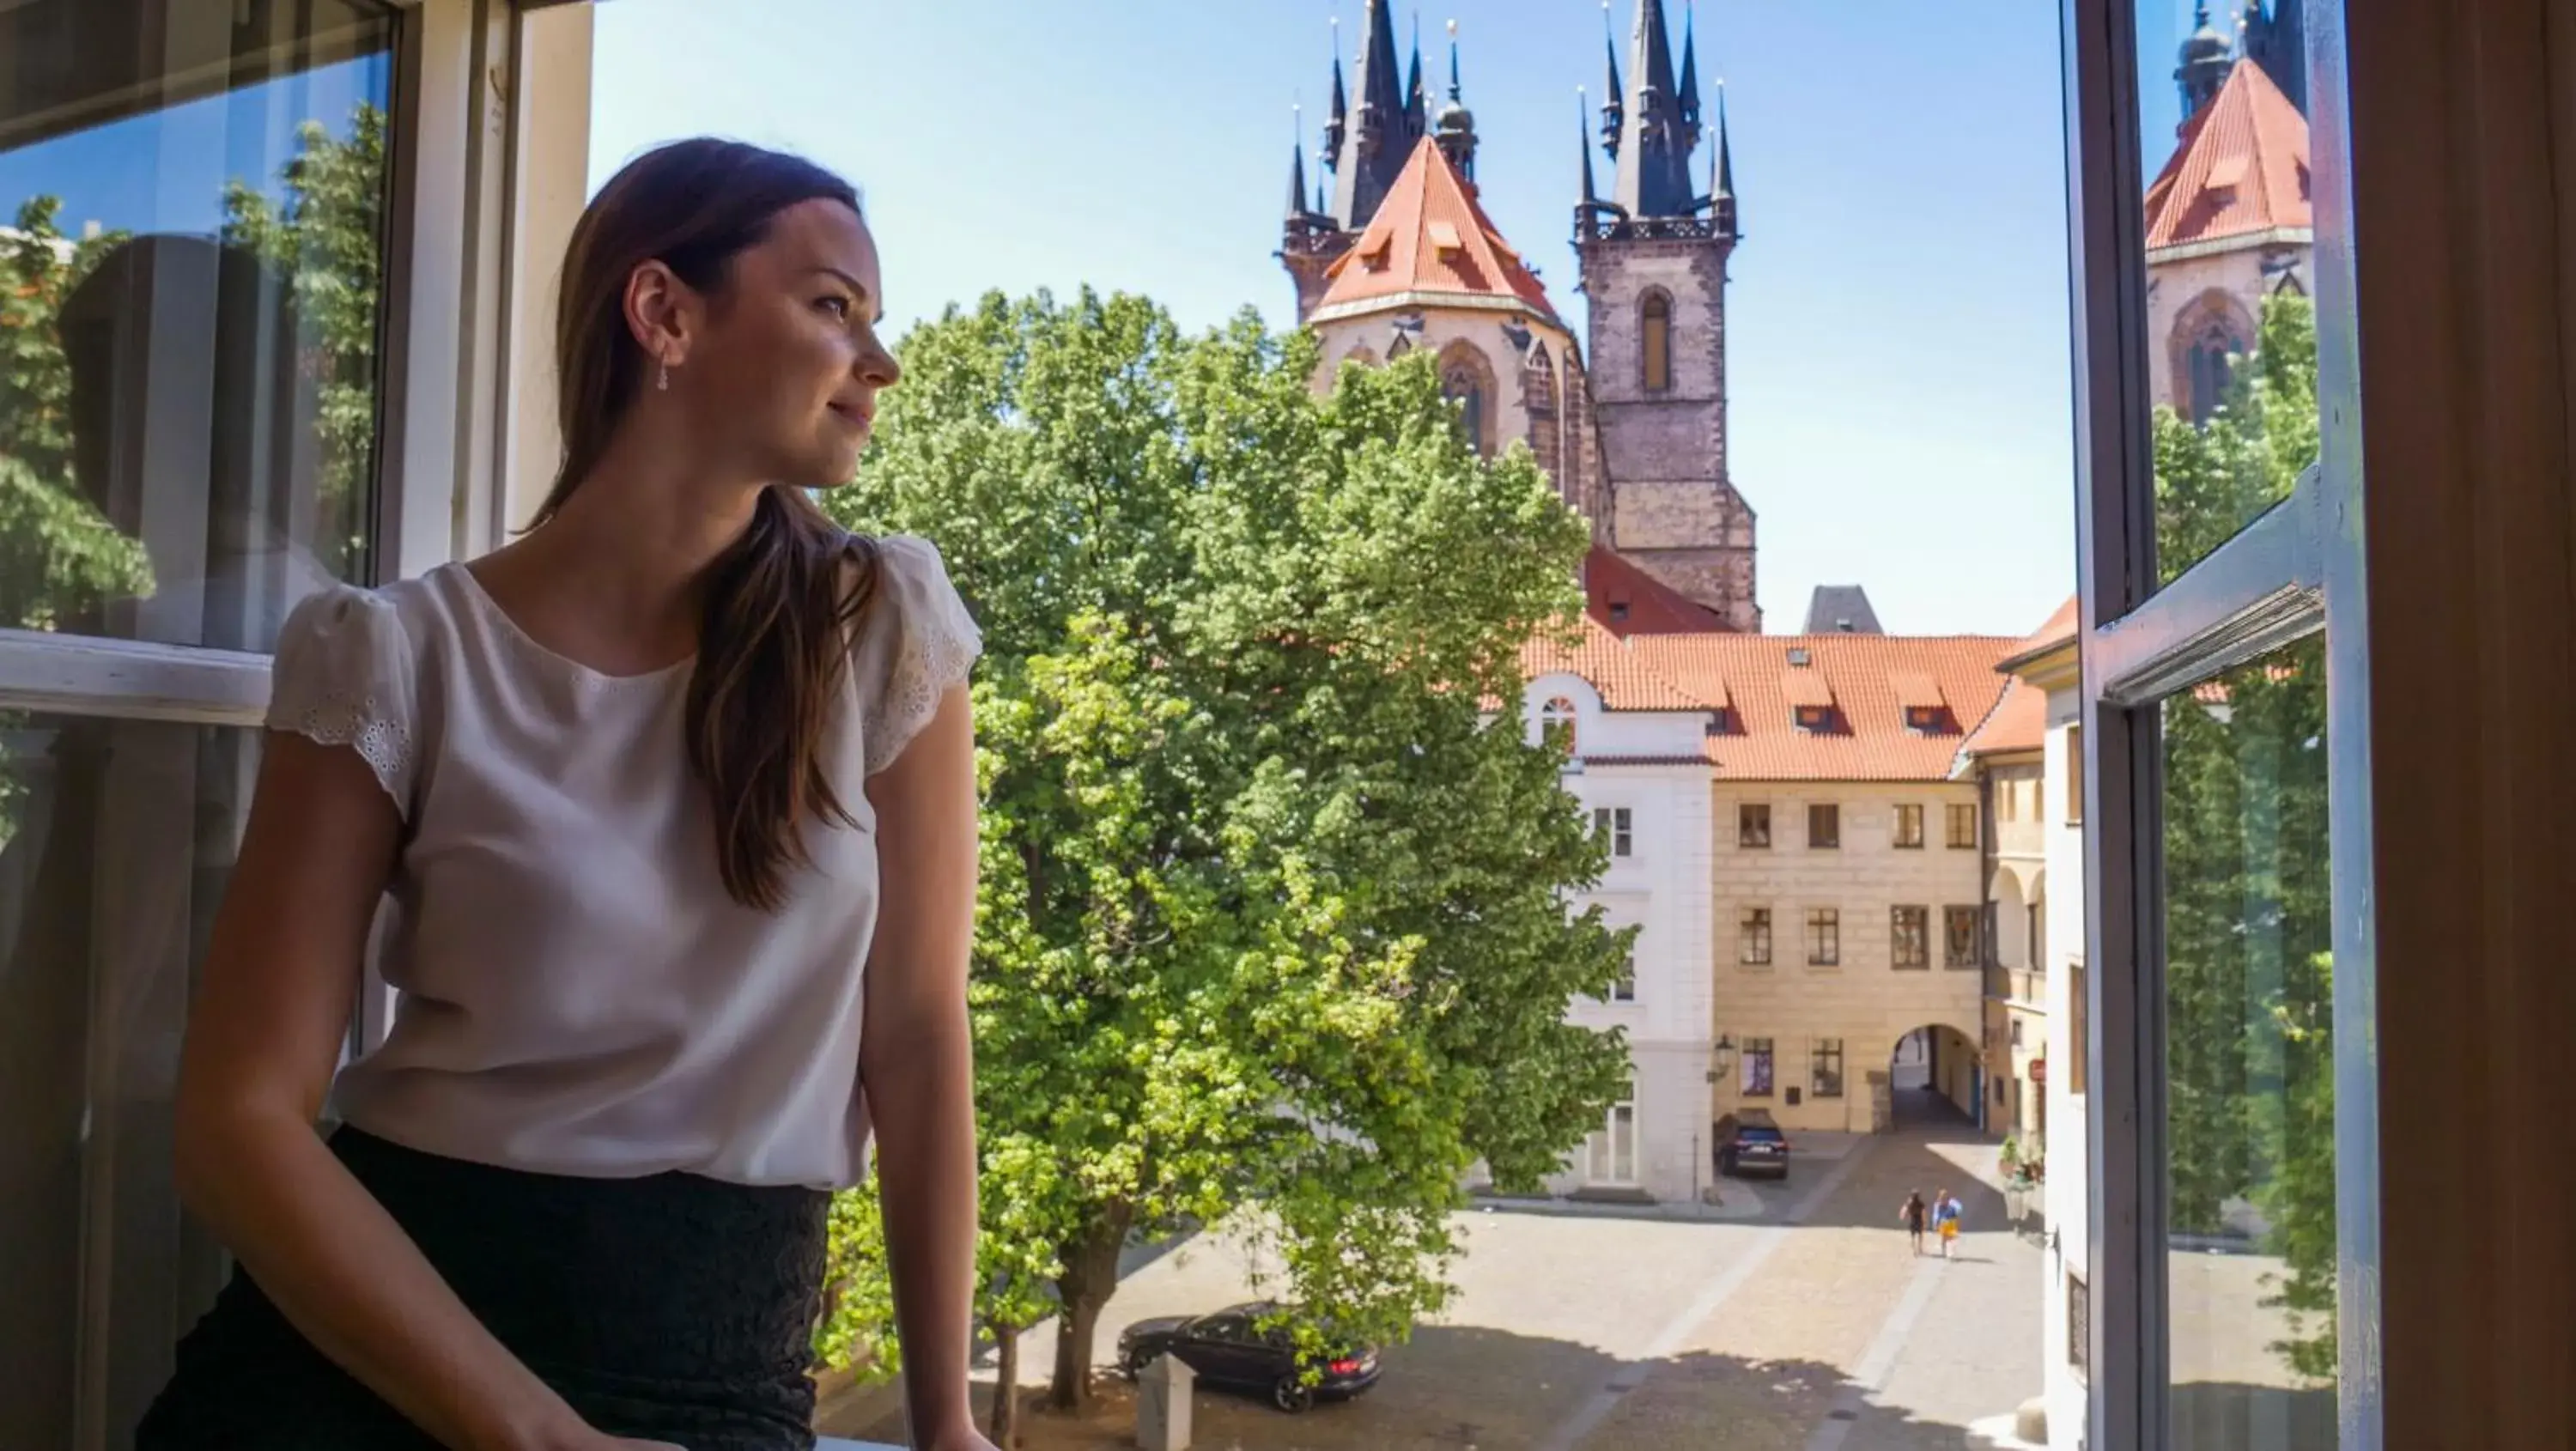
[
  {"x": 1655, "y": 144},
  {"x": 1297, "y": 171},
  {"x": 1455, "y": 129},
  {"x": 1416, "y": 102},
  {"x": 2207, "y": 56},
  {"x": 1721, "y": 194},
  {"x": 1378, "y": 137},
  {"x": 1337, "y": 120},
  {"x": 1690, "y": 73},
  {"x": 2277, "y": 40},
  {"x": 1614, "y": 113}
]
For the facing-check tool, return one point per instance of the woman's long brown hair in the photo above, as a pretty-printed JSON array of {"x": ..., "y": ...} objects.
[{"x": 773, "y": 645}]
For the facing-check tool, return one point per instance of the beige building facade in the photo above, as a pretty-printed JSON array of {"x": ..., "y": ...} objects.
[{"x": 1847, "y": 917}]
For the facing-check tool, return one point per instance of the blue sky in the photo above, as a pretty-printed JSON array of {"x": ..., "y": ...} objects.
[{"x": 1898, "y": 323}]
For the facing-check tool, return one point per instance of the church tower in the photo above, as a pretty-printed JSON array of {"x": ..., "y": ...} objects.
[
  {"x": 1653, "y": 258},
  {"x": 1369, "y": 133}
]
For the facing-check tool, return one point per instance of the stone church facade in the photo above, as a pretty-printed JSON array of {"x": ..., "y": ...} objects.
[{"x": 1391, "y": 252}]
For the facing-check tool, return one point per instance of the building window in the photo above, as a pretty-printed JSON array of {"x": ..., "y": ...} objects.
[
  {"x": 1959, "y": 936},
  {"x": 1610, "y": 1155},
  {"x": 1753, "y": 824},
  {"x": 1625, "y": 989},
  {"x": 193, "y": 292},
  {"x": 1753, "y": 937},
  {"x": 2016, "y": 1034},
  {"x": 1824, "y": 937},
  {"x": 1612, "y": 824},
  {"x": 2079, "y": 1054},
  {"x": 1813, "y": 719},
  {"x": 1825, "y": 1070},
  {"x": 2079, "y": 1326},
  {"x": 1756, "y": 1076},
  {"x": 1909, "y": 827},
  {"x": 1655, "y": 338},
  {"x": 2075, "y": 775},
  {"x": 1824, "y": 826},
  {"x": 1463, "y": 388},
  {"x": 1909, "y": 931},
  {"x": 1556, "y": 722},
  {"x": 1963, "y": 826}
]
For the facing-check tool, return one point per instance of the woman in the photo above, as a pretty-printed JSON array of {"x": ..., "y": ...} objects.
[
  {"x": 1911, "y": 1214},
  {"x": 673, "y": 799},
  {"x": 1945, "y": 1217}
]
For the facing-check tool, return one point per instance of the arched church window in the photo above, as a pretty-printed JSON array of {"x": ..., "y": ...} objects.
[
  {"x": 2210, "y": 367},
  {"x": 1462, "y": 386},
  {"x": 1655, "y": 335}
]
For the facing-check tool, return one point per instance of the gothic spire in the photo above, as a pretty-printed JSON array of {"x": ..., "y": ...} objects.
[
  {"x": 1721, "y": 195},
  {"x": 1455, "y": 129},
  {"x": 2207, "y": 56},
  {"x": 1655, "y": 145},
  {"x": 1297, "y": 170},
  {"x": 1614, "y": 95},
  {"x": 1378, "y": 137},
  {"x": 1690, "y": 71},
  {"x": 1583, "y": 132},
  {"x": 1415, "y": 103},
  {"x": 1338, "y": 118}
]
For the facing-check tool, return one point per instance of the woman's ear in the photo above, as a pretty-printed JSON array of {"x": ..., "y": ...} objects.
[{"x": 661, "y": 313}]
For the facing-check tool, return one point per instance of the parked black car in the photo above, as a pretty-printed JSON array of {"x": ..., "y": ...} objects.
[
  {"x": 1229, "y": 1348},
  {"x": 1750, "y": 1142}
]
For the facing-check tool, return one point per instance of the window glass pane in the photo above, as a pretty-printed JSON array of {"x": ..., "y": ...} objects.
[
  {"x": 115, "y": 841},
  {"x": 2249, "y": 1081},
  {"x": 190, "y": 252},
  {"x": 2231, "y": 333}
]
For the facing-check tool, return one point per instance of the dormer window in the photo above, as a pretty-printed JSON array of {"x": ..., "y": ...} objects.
[
  {"x": 1815, "y": 717},
  {"x": 1799, "y": 657},
  {"x": 1923, "y": 718}
]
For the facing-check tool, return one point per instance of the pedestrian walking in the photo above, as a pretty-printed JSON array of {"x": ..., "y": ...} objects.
[
  {"x": 1912, "y": 1213},
  {"x": 1945, "y": 1219}
]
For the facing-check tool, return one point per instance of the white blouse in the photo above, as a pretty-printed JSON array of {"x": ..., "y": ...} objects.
[{"x": 579, "y": 995}]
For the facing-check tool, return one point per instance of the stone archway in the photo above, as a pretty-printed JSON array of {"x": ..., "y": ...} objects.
[{"x": 1936, "y": 1073}]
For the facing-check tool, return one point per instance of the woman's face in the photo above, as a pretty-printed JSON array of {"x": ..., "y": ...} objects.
[{"x": 789, "y": 366}]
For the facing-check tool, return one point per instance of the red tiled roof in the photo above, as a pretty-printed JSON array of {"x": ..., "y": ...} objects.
[
  {"x": 1613, "y": 668},
  {"x": 1430, "y": 236},
  {"x": 2019, "y": 722},
  {"x": 2240, "y": 169},
  {"x": 1645, "y": 605},
  {"x": 1859, "y": 674},
  {"x": 2058, "y": 630}
]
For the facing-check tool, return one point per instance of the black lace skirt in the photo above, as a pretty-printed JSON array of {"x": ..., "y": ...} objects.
[{"x": 672, "y": 1308}]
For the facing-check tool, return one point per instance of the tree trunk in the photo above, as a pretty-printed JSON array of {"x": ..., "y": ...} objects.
[
  {"x": 1090, "y": 1277},
  {"x": 1006, "y": 1387}
]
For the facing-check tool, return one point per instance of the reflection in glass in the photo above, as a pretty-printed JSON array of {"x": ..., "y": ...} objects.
[
  {"x": 190, "y": 264},
  {"x": 2249, "y": 1072},
  {"x": 2231, "y": 336},
  {"x": 115, "y": 840}
]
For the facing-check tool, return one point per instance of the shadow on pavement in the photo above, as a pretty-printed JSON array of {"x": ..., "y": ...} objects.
[{"x": 1457, "y": 1387}]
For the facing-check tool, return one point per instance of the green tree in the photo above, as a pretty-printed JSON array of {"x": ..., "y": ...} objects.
[
  {"x": 59, "y": 556},
  {"x": 326, "y": 235},
  {"x": 2248, "y": 922},
  {"x": 1272, "y": 927}
]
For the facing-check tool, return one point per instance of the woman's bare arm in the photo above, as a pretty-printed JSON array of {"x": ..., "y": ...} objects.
[
  {"x": 916, "y": 1060},
  {"x": 263, "y": 1042}
]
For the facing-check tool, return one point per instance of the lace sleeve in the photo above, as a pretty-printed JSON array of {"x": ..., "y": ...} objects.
[
  {"x": 343, "y": 677},
  {"x": 916, "y": 642}
]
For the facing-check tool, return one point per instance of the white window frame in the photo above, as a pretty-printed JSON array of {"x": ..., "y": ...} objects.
[{"x": 2293, "y": 572}]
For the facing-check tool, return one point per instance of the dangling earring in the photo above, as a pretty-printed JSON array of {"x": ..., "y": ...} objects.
[{"x": 662, "y": 384}]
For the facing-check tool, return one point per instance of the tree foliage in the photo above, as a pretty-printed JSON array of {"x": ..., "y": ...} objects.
[
  {"x": 2248, "y": 922},
  {"x": 1273, "y": 927}
]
